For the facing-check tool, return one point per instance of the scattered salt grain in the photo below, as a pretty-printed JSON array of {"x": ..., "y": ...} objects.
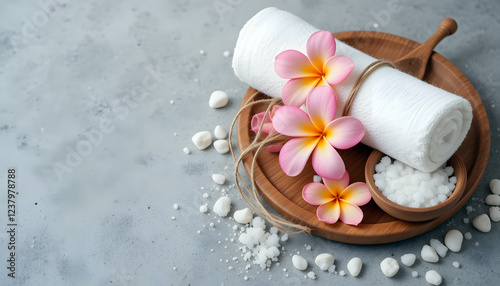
[
  {"x": 495, "y": 214},
  {"x": 226, "y": 54},
  {"x": 433, "y": 278},
  {"x": 317, "y": 179},
  {"x": 429, "y": 254},
  {"x": 469, "y": 209},
  {"x": 203, "y": 209},
  {"x": 408, "y": 259},
  {"x": 308, "y": 247},
  {"x": 176, "y": 206},
  {"x": 453, "y": 240},
  {"x": 299, "y": 262},
  {"x": 219, "y": 179},
  {"x": 414, "y": 274},
  {"x": 476, "y": 243},
  {"x": 342, "y": 273},
  {"x": 220, "y": 132},
  {"x": 439, "y": 247},
  {"x": 202, "y": 52},
  {"x": 218, "y": 99},
  {"x": 202, "y": 139},
  {"x": 482, "y": 223},
  {"x": 171, "y": 101},
  {"x": 259, "y": 246},
  {"x": 331, "y": 269},
  {"x": 456, "y": 264},
  {"x": 173, "y": 218},
  {"x": 409, "y": 187},
  {"x": 206, "y": 195},
  {"x": 492, "y": 200},
  {"x": 354, "y": 266},
  {"x": 389, "y": 266},
  {"x": 311, "y": 275},
  {"x": 222, "y": 146},
  {"x": 243, "y": 216},
  {"x": 324, "y": 261},
  {"x": 468, "y": 235},
  {"x": 222, "y": 206},
  {"x": 466, "y": 220},
  {"x": 245, "y": 278},
  {"x": 284, "y": 237},
  {"x": 174, "y": 268},
  {"x": 495, "y": 186}
]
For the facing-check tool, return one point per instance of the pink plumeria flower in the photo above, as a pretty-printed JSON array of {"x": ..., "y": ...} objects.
[
  {"x": 319, "y": 67},
  {"x": 267, "y": 127},
  {"x": 338, "y": 200},
  {"x": 318, "y": 133}
]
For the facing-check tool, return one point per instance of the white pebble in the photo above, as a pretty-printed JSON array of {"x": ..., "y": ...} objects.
[
  {"x": 324, "y": 261},
  {"x": 414, "y": 274},
  {"x": 495, "y": 186},
  {"x": 186, "y": 150},
  {"x": 218, "y": 99},
  {"x": 226, "y": 54},
  {"x": 222, "y": 146},
  {"x": 493, "y": 200},
  {"x": 220, "y": 132},
  {"x": 468, "y": 235},
  {"x": 429, "y": 254},
  {"x": 219, "y": 179},
  {"x": 495, "y": 214},
  {"x": 222, "y": 206},
  {"x": 456, "y": 264},
  {"x": 389, "y": 266},
  {"x": 203, "y": 209},
  {"x": 440, "y": 248},
  {"x": 299, "y": 262},
  {"x": 354, "y": 266},
  {"x": 243, "y": 216},
  {"x": 311, "y": 275},
  {"x": 453, "y": 240},
  {"x": 408, "y": 259},
  {"x": 433, "y": 278},
  {"x": 317, "y": 179},
  {"x": 176, "y": 206},
  {"x": 482, "y": 223},
  {"x": 202, "y": 139}
]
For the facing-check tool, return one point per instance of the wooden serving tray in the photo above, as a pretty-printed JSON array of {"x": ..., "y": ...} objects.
[{"x": 284, "y": 193}]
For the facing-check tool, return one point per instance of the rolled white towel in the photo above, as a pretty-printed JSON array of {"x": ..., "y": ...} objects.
[{"x": 404, "y": 117}]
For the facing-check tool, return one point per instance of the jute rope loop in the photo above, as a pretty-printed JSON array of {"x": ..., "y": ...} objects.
[{"x": 250, "y": 193}]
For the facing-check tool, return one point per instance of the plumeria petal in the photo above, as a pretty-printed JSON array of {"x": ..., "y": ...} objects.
[
  {"x": 344, "y": 132},
  {"x": 293, "y": 64},
  {"x": 337, "y": 68},
  {"x": 316, "y": 194},
  {"x": 295, "y": 153},
  {"x": 256, "y": 122},
  {"x": 292, "y": 121},
  {"x": 329, "y": 212},
  {"x": 274, "y": 148},
  {"x": 327, "y": 162},
  {"x": 321, "y": 105},
  {"x": 320, "y": 47},
  {"x": 350, "y": 213},
  {"x": 357, "y": 194},
  {"x": 336, "y": 187},
  {"x": 296, "y": 90}
]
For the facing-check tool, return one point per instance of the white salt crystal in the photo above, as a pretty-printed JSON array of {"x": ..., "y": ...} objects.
[
  {"x": 482, "y": 223},
  {"x": 219, "y": 179},
  {"x": 429, "y": 254},
  {"x": 186, "y": 150},
  {"x": 284, "y": 237},
  {"x": 495, "y": 214},
  {"x": 243, "y": 216},
  {"x": 222, "y": 206},
  {"x": 468, "y": 235},
  {"x": 342, "y": 273},
  {"x": 311, "y": 275},
  {"x": 222, "y": 146},
  {"x": 176, "y": 206},
  {"x": 389, "y": 266},
  {"x": 469, "y": 209},
  {"x": 433, "y": 278},
  {"x": 414, "y": 274},
  {"x": 317, "y": 179},
  {"x": 226, "y": 54},
  {"x": 245, "y": 278},
  {"x": 218, "y": 99},
  {"x": 202, "y": 52},
  {"x": 308, "y": 247},
  {"x": 220, "y": 132},
  {"x": 495, "y": 186},
  {"x": 324, "y": 261},
  {"x": 453, "y": 240},
  {"x": 408, "y": 259},
  {"x": 456, "y": 264},
  {"x": 354, "y": 266},
  {"x": 466, "y": 220},
  {"x": 492, "y": 200},
  {"x": 202, "y": 139},
  {"x": 440, "y": 248},
  {"x": 172, "y": 101},
  {"x": 299, "y": 262},
  {"x": 476, "y": 243},
  {"x": 173, "y": 218},
  {"x": 206, "y": 195},
  {"x": 331, "y": 269}
]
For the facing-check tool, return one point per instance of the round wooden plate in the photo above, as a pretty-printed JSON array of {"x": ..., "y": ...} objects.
[{"x": 284, "y": 193}]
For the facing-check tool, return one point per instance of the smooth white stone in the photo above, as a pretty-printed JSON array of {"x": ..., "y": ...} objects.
[
  {"x": 299, "y": 262},
  {"x": 408, "y": 259},
  {"x": 218, "y": 99},
  {"x": 243, "y": 216},
  {"x": 220, "y": 132},
  {"x": 433, "y": 278},
  {"x": 493, "y": 200},
  {"x": 324, "y": 261},
  {"x": 202, "y": 139},
  {"x": 389, "y": 266},
  {"x": 222, "y": 146},
  {"x": 495, "y": 214},
  {"x": 219, "y": 179},
  {"x": 354, "y": 266},
  {"x": 495, "y": 186},
  {"x": 222, "y": 206},
  {"x": 453, "y": 240},
  {"x": 482, "y": 223},
  {"x": 429, "y": 254}
]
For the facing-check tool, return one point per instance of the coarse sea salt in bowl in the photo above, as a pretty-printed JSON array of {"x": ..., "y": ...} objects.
[{"x": 415, "y": 214}]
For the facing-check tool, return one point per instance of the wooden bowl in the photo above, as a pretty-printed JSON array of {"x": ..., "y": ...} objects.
[{"x": 415, "y": 214}]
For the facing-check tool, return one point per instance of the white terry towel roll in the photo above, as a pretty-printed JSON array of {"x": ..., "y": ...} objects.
[{"x": 404, "y": 117}]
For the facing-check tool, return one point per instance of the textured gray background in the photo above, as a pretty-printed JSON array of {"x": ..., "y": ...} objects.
[{"x": 106, "y": 220}]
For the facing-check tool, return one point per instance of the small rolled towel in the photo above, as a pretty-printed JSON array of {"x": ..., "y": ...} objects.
[{"x": 404, "y": 117}]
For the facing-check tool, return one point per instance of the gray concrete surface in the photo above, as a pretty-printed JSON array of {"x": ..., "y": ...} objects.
[{"x": 124, "y": 84}]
